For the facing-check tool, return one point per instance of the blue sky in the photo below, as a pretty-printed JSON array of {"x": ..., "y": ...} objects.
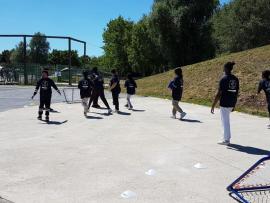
[{"x": 82, "y": 19}]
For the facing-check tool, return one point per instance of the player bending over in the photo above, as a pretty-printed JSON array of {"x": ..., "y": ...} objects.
[
  {"x": 45, "y": 85},
  {"x": 85, "y": 85},
  {"x": 265, "y": 86},
  {"x": 176, "y": 87}
]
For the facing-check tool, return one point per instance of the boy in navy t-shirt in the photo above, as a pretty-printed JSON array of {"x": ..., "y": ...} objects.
[
  {"x": 176, "y": 87},
  {"x": 115, "y": 89},
  {"x": 85, "y": 85},
  {"x": 227, "y": 96},
  {"x": 45, "y": 85},
  {"x": 131, "y": 86},
  {"x": 265, "y": 86}
]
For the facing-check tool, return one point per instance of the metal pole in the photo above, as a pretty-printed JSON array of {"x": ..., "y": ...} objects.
[
  {"x": 69, "y": 64},
  {"x": 24, "y": 61},
  {"x": 84, "y": 54}
]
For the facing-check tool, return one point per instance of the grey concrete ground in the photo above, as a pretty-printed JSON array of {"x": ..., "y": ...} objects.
[{"x": 79, "y": 160}]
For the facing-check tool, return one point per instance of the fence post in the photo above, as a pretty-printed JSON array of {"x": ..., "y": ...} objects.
[
  {"x": 24, "y": 61},
  {"x": 69, "y": 64}
]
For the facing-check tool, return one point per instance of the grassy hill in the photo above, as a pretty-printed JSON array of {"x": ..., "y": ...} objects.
[{"x": 201, "y": 80}]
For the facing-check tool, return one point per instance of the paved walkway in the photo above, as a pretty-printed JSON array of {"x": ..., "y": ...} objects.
[{"x": 78, "y": 160}]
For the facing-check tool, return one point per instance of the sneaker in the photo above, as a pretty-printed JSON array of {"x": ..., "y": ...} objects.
[
  {"x": 224, "y": 143},
  {"x": 47, "y": 119},
  {"x": 110, "y": 111},
  {"x": 126, "y": 105},
  {"x": 183, "y": 115},
  {"x": 173, "y": 116},
  {"x": 85, "y": 114},
  {"x": 130, "y": 108},
  {"x": 96, "y": 106},
  {"x": 268, "y": 126},
  {"x": 39, "y": 118},
  {"x": 116, "y": 111}
]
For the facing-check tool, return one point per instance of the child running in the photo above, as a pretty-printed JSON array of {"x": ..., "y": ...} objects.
[
  {"x": 45, "y": 85},
  {"x": 265, "y": 86},
  {"x": 85, "y": 85},
  {"x": 176, "y": 87},
  {"x": 131, "y": 86},
  {"x": 115, "y": 89}
]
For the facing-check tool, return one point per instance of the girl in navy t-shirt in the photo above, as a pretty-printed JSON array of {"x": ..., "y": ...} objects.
[{"x": 131, "y": 86}]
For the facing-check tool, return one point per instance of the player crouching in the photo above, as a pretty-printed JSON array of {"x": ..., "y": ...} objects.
[{"x": 45, "y": 85}]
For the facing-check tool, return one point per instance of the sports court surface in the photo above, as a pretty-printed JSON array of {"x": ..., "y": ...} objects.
[{"x": 74, "y": 159}]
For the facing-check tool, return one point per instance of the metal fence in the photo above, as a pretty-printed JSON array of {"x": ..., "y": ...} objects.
[{"x": 14, "y": 73}]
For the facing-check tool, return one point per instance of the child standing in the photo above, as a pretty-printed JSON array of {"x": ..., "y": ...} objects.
[
  {"x": 131, "y": 86},
  {"x": 115, "y": 89},
  {"x": 45, "y": 85},
  {"x": 176, "y": 87},
  {"x": 265, "y": 86},
  {"x": 85, "y": 85}
]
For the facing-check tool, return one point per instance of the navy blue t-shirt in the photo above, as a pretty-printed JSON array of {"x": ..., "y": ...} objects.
[
  {"x": 98, "y": 80},
  {"x": 85, "y": 86},
  {"x": 229, "y": 87},
  {"x": 177, "y": 88},
  {"x": 131, "y": 86},
  {"x": 265, "y": 86},
  {"x": 45, "y": 85},
  {"x": 117, "y": 88}
]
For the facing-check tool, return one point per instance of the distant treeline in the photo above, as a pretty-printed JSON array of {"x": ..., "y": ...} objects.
[{"x": 174, "y": 33}]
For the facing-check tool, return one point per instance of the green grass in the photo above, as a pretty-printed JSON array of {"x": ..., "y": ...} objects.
[{"x": 201, "y": 80}]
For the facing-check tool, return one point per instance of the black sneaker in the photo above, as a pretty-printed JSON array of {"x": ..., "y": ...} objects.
[
  {"x": 96, "y": 106},
  {"x": 126, "y": 105},
  {"x": 39, "y": 118},
  {"x": 47, "y": 119}
]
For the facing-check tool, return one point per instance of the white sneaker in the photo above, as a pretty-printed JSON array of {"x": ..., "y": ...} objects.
[
  {"x": 224, "y": 143},
  {"x": 110, "y": 111},
  {"x": 183, "y": 115},
  {"x": 173, "y": 116},
  {"x": 268, "y": 126}
]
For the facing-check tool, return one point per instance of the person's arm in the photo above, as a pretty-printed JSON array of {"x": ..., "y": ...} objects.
[
  {"x": 217, "y": 98},
  {"x": 36, "y": 89},
  {"x": 260, "y": 87},
  {"x": 55, "y": 87},
  {"x": 113, "y": 85}
]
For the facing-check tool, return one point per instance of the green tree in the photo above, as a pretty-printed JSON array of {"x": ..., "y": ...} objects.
[
  {"x": 143, "y": 54},
  {"x": 183, "y": 30},
  {"x": 39, "y": 49},
  {"x": 241, "y": 25},
  {"x": 17, "y": 56},
  {"x": 117, "y": 38},
  {"x": 5, "y": 56},
  {"x": 58, "y": 57}
]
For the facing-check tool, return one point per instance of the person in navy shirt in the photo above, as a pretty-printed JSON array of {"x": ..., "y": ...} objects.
[
  {"x": 115, "y": 89},
  {"x": 130, "y": 86},
  {"x": 227, "y": 96},
  {"x": 85, "y": 85},
  {"x": 45, "y": 85},
  {"x": 176, "y": 86},
  {"x": 265, "y": 86},
  {"x": 98, "y": 89}
]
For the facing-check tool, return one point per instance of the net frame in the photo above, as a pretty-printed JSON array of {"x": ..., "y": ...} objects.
[
  {"x": 243, "y": 193},
  {"x": 73, "y": 99}
]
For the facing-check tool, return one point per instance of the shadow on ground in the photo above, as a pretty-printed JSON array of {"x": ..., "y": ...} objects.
[
  {"x": 55, "y": 122},
  {"x": 94, "y": 117},
  {"x": 190, "y": 120},
  {"x": 248, "y": 149}
]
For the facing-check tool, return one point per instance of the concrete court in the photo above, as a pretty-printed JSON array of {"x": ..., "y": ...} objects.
[{"x": 79, "y": 160}]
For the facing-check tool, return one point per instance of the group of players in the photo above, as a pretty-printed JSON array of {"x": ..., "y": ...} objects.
[{"x": 92, "y": 87}]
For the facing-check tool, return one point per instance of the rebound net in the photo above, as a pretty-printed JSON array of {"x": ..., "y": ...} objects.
[{"x": 254, "y": 184}]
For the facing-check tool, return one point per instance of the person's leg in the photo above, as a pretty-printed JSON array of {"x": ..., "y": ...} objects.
[
  {"x": 40, "y": 109},
  {"x": 115, "y": 101},
  {"x": 93, "y": 96},
  {"x": 129, "y": 101},
  {"x": 85, "y": 105},
  {"x": 47, "y": 107},
  {"x": 269, "y": 114},
  {"x": 177, "y": 107},
  {"x": 104, "y": 100},
  {"x": 225, "y": 119}
]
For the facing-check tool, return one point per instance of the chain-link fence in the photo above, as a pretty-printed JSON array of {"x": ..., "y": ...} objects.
[{"x": 15, "y": 73}]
